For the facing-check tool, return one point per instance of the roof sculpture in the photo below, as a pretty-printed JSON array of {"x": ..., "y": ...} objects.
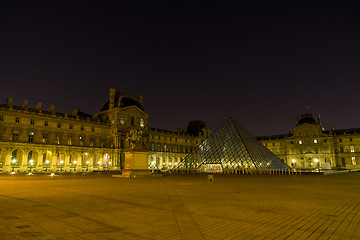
[{"x": 232, "y": 147}]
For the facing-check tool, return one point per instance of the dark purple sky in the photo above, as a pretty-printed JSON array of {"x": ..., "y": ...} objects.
[{"x": 260, "y": 63}]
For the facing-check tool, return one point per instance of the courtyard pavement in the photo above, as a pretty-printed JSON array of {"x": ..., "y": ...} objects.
[{"x": 180, "y": 207}]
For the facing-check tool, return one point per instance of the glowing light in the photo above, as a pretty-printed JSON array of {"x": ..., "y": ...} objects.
[
  {"x": 52, "y": 174},
  {"x": 109, "y": 162},
  {"x": 293, "y": 160},
  {"x": 87, "y": 162},
  {"x": 47, "y": 161},
  {"x": 12, "y": 172},
  {"x": 315, "y": 141},
  {"x": 86, "y": 154},
  {"x": 31, "y": 161},
  {"x": 14, "y": 160},
  {"x": 300, "y": 142},
  {"x": 98, "y": 162},
  {"x": 75, "y": 162},
  {"x": 61, "y": 162},
  {"x": 316, "y": 160}
]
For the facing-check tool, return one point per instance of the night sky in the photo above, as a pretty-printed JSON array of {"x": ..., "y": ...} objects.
[{"x": 262, "y": 63}]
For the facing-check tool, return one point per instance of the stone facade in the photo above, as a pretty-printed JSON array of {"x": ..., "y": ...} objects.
[
  {"x": 312, "y": 147},
  {"x": 117, "y": 137}
]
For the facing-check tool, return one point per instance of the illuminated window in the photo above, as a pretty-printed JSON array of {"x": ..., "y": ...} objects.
[
  {"x": 175, "y": 149},
  {"x": 164, "y": 147},
  {"x": 57, "y": 140},
  {"x": 352, "y": 148},
  {"x": 91, "y": 142},
  {"x": 44, "y": 137},
  {"x": 31, "y": 137},
  {"x": 164, "y": 161},
  {"x": 32, "y": 122},
  {"x": 300, "y": 142},
  {"x": 81, "y": 141},
  {"x": 122, "y": 120},
  {"x": 170, "y": 161},
  {"x": 113, "y": 119},
  {"x": 153, "y": 147},
  {"x": 353, "y": 161},
  {"x": 159, "y": 148},
  {"x": 70, "y": 140},
  {"x": 17, "y": 120},
  {"x": 170, "y": 148},
  {"x": 315, "y": 141},
  {"x": 141, "y": 122},
  {"x": 46, "y": 123}
]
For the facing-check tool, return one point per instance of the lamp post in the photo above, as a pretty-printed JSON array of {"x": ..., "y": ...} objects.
[
  {"x": 31, "y": 164},
  {"x": 47, "y": 165},
  {"x": 75, "y": 162},
  {"x": 61, "y": 165},
  {"x": 13, "y": 162}
]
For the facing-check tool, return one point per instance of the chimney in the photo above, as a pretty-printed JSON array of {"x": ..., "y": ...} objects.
[
  {"x": 51, "y": 109},
  {"x": 111, "y": 98},
  {"x": 24, "y": 105},
  {"x": 38, "y": 106},
  {"x": 9, "y": 102},
  {"x": 75, "y": 112}
]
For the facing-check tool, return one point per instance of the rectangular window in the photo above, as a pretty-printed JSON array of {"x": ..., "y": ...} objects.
[
  {"x": 158, "y": 147},
  {"x": 175, "y": 139},
  {"x": 57, "y": 140},
  {"x": 326, "y": 149},
  {"x": 165, "y": 148},
  {"x": 153, "y": 147},
  {"x": 350, "y": 139},
  {"x": 91, "y": 142},
  {"x": 175, "y": 149},
  {"x": 159, "y": 137},
  {"x": 59, "y": 125},
  {"x": 70, "y": 140},
  {"x": 353, "y": 161},
  {"x": 81, "y": 141},
  {"x": 44, "y": 137},
  {"x": 82, "y": 128},
  {"x": 170, "y": 139},
  {"x": 308, "y": 150},
  {"x": 32, "y": 122},
  {"x": 340, "y": 140},
  {"x": 352, "y": 149},
  {"x": 31, "y": 137},
  {"x": 341, "y": 149},
  {"x": 92, "y": 129},
  {"x": 46, "y": 123},
  {"x": 325, "y": 140},
  {"x": 301, "y": 151},
  {"x": 70, "y": 126},
  {"x": 1, "y": 117},
  {"x": 152, "y": 136},
  {"x": 17, "y": 120},
  {"x": 14, "y": 136},
  {"x": 316, "y": 150},
  {"x": 165, "y": 138}
]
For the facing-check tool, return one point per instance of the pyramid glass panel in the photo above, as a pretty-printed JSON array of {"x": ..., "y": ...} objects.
[{"x": 231, "y": 147}]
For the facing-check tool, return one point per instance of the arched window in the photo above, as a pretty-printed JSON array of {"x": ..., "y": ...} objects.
[{"x": 30, "y": 160}]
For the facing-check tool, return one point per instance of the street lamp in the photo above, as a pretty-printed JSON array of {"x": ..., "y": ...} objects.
[
  {"x": 13, "y": 162},
  {"x": 61, "y": 165},
  {"x": 75, "y": 162},
  {"x": 31, "y": 164},
  {"x": 47, "y": 164}
]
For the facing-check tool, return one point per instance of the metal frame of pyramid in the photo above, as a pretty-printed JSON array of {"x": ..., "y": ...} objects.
[{"x": 231, "y": 147}]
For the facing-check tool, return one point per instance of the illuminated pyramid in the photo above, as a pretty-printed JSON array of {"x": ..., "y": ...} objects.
[{"x": 231, "y": 147}]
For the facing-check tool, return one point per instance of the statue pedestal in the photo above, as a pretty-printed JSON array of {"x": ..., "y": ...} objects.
[{"x": 137, "y": 162}]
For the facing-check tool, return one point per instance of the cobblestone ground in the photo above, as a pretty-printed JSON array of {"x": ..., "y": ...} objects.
[{"x": 180, "y": 207}]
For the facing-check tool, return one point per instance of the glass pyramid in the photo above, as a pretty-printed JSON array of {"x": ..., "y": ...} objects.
[{"x": 231, "y": 147}]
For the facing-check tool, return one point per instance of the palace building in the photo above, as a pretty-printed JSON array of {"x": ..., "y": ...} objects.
[
  {"x": 117, "y": 137},
  {"x": 310, "y": 146}
]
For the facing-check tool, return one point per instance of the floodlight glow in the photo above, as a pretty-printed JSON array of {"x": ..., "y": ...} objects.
[
  {"x": 293, "y": 160},
  {"x": 316, "y": 160}
]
